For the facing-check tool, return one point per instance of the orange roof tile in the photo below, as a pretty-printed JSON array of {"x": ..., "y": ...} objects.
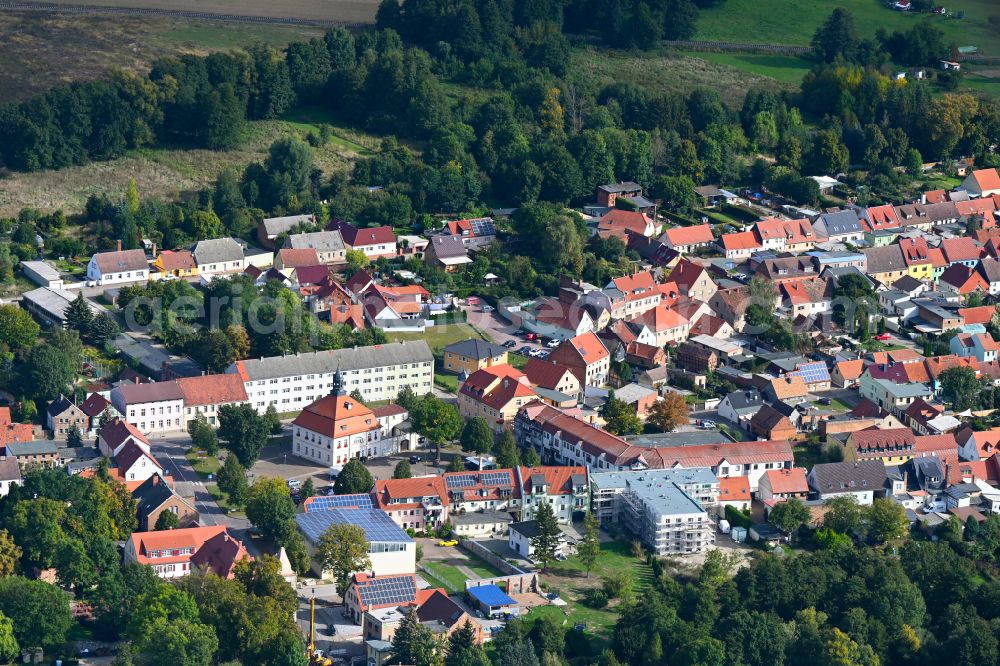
[
  {"x": 212, "y": 389},
  {"x": 295, "y": 258},
  {"x": 337, "y": 416},
  {"x": 785, "y": 481},
  {"x": 662, "y": 318},
  {"x": 851, "y": 369},
  {"x": 681, "y": 236},
  {"x": 734, "y": 489},
  {"x": 987, "y": 179},
  {"x": 743, "y": 240}
]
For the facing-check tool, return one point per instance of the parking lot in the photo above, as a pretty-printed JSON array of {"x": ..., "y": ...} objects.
[{"x": 502, "y": 331}]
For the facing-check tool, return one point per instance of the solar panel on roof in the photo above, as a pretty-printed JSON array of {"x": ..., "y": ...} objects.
[
  {"x": 496, "y": 478},
  {"x": 813, "y": 372},
  {"x": 483, "y": 227},
  {"x": 394, "y": 590},
  {"x": 461, "y": 481},
  {"x": 359, "y": 501}
]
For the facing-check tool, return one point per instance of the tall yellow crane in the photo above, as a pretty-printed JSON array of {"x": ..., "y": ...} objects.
[{"x": 314, "y": 659}]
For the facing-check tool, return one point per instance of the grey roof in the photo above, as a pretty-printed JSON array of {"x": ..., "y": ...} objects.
[
  {"x": 633, "y": 393},
  {"x": 745, "y": 400},
  {"x": 621, "y": 480},
  {"x": 59, "y": 405},
  {"x": 377, "y": 524},
  {"x": 848, "y": 477},
  {"x": 9, "y": 469},
  {"x": 990, "y": 269},
  {"x": 35, "y": 447},
  {"x": 885, "y": 259},
  {"x": 668, "y": 439},
  {"x": 322, "y": 241},
  {"x": 841, "y": 223},
  {"x": 641, "y": 202},
  {"x": 152, "y": 357},
  {"x": 448, "y": 246},
  {"x": 217, "y": 251},
  {"x": 480, "y": 518},
  {"x": 41, "y": 268},
  {"x": 528, "y": 528},
  {"x": 152, "y": 494},
  {"x": 323, "y": 362},
  {"x": 274, "y": 226},
  {"x": 475, "y": 348},
  {"x": 661, "y": 493},
  {"x": 907, "y": 283},
  {"x": 53, "y": 302},
  {"x": 627, "y": 186}
]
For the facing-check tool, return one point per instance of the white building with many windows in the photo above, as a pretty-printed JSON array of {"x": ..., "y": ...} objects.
[
  {"x": 379, "y": 372},
  {"x": 335, "y": 429},
  {"x": 156, "y": 407}
]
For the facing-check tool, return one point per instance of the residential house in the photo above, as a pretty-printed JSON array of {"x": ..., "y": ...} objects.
[
  {"x": 892, "y": 396},
  {"x": 607, "y": 195},
  {"x": 962, "y": 250},
  {"x": 10, "y": 473},
  {"x": 886, "y": 264},
  {"x": 879, "y": 218},
  {"x": 982, "y": 183},
  {"x": 916, "y": 256},
  {"x": 980, "y": 346},
  {"x": 632, "y": 295},
  {"x": 336, "y": 428},
  {"x": 645, "y": 356},
  {"x": 784, "y": 484},
  {"x": 662, "y": 326},
  {"x": 962, "y": 280},
  {"x": 982, "y": 445},
  {"x": 287, "y": 259},
  {"x": 115, "y": 434},
  {"x": 154, "y": 497},
  {"x": 769, "y": 423},
  {"x": 842, "y": 226},
  {"x": 97, "y": 407},
  {"x": 786, "y": 235},
  {"x": 740, "y": 406},
  {"x": 697, "y": 358},
  {"x": 739, "y": 245},
  {"x": 475, "y": 233},
  {"x": 847, "y": 374},
  {"x": 787, "y": 388},
  {"x": 989, "y": 269},
  {"x": 176, "y": 553},
  {"x": 565, "y": 489},
  {"x": 328, "y": 245},
  {"x": 622, "y": 224},
  {"x": 447, "y": 253},
  {"x": 419, "y": 503},
  {"x": 135, "y": 462},
  {"x": 118, "y": 267},
  {"x": 473, "y": 354},
  {"x": 205, "y": 395},
  {"x": 34, "y": 453},
  {"x": 805, "y": 298},
  {"x": 693, "y": 281},
  {"x": 865, "y": 480},
  {"x": 586, "y": 357},
  {"x": 495, "y": 394},
  {"x": 218, "y": 256},
  {"x": 270, "y": 228},
  {"x": 688, "y": 239},
  {"x": 734, "y": 491},
  {"x": 375, "y": 242},
  {"x": 176, "y": 263},
  {"x": 731, "y": 304},
  {"x": 546, "y": 377},
  {"x": 62, "y": 415},
  {"x": 155, "y": 407},
  {"x": 554, "y": 318}
]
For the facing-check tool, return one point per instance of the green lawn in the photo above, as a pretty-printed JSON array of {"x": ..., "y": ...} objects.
[
  {"x": 222, "y": 500},
  {"x": 447, "y": 382},
  {"x": 615, "y": 556},
  {"x": 203, "y": 464},
  {"x": 784, "y": 68},
  {"x": 309, "y": 118},
  {"x": 599, "y": 623},
  {"x": 795, "y": 21},
  {"x": 452, "y": 578},
  {"x": 439, "y": 337}
]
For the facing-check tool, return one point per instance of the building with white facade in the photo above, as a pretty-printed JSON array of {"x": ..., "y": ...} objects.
[
  {"x": 156, "y": 407},
  {"x": 176, "y": 553},
  {"x": 660, "y": 507},
  {"x": 118, "y": 267},
  {"x": 379, "y": 372},
  {"x": 390, "y": 549},
  {"x": 335, "y": 429},
  {"x": 219, "y": 255}
]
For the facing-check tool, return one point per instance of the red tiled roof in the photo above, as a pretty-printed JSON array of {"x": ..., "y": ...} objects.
[
  {"x": 588, "y": 347},
  {"x": 545, "y": 374},
  {"x": 681, "y": 236},
  {"x": 686, "y": 273},
  {"x": 176, "y": 260},
  {"x": 94, "y": 405},
  {"x": 620, "y": 223},
  {"x": 337, "y": 416},
  {"x": 935, "y": 196},
  {"x": 637, "y": 286},
  {"x": 734, "y": 489},
  {"x": 851, "y": 369},
  {"x": 786, "y": 481},
  {"x": 220, "y": 553},
  {"x": 793, "y": 232},
  {"x": 296, "y": 258},
  {"x": 915, "y": 251},
  {"x": 361, "y": 237},
  {"x": 881, "y": 217},
  {"x": 212, "y": 389},
  {"x": 14, "y": 432},
  {"x": 977, "y": 315},
  {"x": 743, "y": 240},
  {"x": 960, "y": 249},
  {"x": 987, "y": 179},
  {"x": 387, "y": 490},
  {"x": 219, "y": 557},
  {"x": 497, "y": 386},
  {"x": 662, "y": 318},
  {"x": 558, "y": 479}
]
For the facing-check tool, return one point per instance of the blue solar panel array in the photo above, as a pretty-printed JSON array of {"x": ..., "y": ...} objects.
[
  {"x": 377, "y": 524},
  {"x": 483, "y": 227},
  {"x": 388, "y": 590},
  {"x": 813, "y": 372},
  {"x": 496, "y": 478},
  {"x": 462, "y": 481},
  {"x": 358, "y": 501}
]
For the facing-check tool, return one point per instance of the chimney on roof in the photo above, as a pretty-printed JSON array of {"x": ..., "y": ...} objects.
[{"x": 119, "y": 245}]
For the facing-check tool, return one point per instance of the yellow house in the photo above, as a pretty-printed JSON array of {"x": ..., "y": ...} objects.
[
  {"x": 885, "y": 264},
  {"x": 471, "y": 355},
  {"x": 916, "y": 255},
  {"x": 178, "y": 263}
]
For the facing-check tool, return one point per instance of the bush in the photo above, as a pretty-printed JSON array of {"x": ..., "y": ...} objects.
[
  {"x": 595, "y": 598},
  {"x": 737, "y": 518}
]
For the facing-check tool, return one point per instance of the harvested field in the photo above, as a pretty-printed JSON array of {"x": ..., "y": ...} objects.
[{"x": 334, "y": 11}]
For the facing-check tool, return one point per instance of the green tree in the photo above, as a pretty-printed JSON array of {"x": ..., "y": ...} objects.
[
  {"x": 40, "y": 611},
  {"x": 17, "y": 329},
  {"x": 244, "y": 431},
  {"x": 837, "y": 38},
  {"x": 308, "y": 488},
  {"x": 203, "y": 436},
  {"x": 353, "y": 478},
  {"x": 845, "y": 515},
  {"x": 10, "y": 554},
  {"x": 960, "y": 387},
  {"x": 9, "y": 648},
  {"x": 790, "y": 515},
  {"x": 232, "y": 480},
  {"x": 343, "y": 550},
  {"x": 402, "y": 470},
  {"x": 73, "y": 437},
  {"x": 463, "y": 650},
  {"x": 356, "y": 260},
  {"x": 36, "y": 526},
  {"x": 167, "y": 520},
  {"x": 413, "y": 642},
  {"x": 476, "y": 436},
  {"x": 530, "y": 457},
  {"x": 456, "y": 464},
  {"x": 48, "y": 372},
  {"x": 589, "y": 548},
  {"x": 436, "y": 420},
  {"x": 546, "y": 543},
  {"x": 78, "y": 314},
  {"x": 103, "y": 329},
  {"x": 507, "y": 454},
  {"x": 270, "y": 507},
  {"x": 886, "y": 521},
  {"x": 620, "y": 417}
]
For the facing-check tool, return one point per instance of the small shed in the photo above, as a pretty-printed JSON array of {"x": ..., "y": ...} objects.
[
  {"x": 491, "y": 600},
  {"x": 739, "y": 534}
]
